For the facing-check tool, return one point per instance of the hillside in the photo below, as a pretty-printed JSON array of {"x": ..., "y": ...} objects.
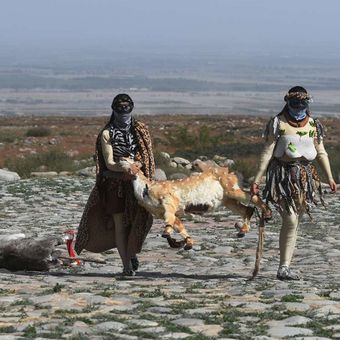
[{"x": 69, "y": 139}]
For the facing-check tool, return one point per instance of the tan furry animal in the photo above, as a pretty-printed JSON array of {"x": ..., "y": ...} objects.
[{"x": 211, "y": 189}]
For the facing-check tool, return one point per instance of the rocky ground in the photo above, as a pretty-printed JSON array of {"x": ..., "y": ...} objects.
[{"x": 204, "y": 293}]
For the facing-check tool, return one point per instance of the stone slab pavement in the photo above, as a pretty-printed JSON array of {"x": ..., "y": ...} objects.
[{"x": 204, "y": 293}]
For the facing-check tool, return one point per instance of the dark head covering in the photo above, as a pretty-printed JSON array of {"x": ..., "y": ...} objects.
[
  {"x": 121, "y": 117},
  {"x": 297, "y": 100},
  {"x": 297, "y": 93},
  {"x": 120, "y": 98}
]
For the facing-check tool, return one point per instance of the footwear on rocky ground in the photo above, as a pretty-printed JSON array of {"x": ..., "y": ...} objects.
[
  {"x": 285, "y": 273},
  {"x": 134, "y": 263}
]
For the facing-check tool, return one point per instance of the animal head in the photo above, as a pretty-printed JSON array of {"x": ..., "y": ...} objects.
[{"x": 130, "y": 166}]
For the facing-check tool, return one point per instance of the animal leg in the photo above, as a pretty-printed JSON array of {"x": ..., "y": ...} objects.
[
  {"x": 244, "y": 211},
  {"x": 169, "y": 219},
  {"x": 267, "y": 212},
  {"x": 245, "y": 198},
  {"x": 179, "y": 228},
  {"x": 170, "y": 209}
]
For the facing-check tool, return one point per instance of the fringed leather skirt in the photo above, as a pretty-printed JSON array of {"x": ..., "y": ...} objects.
[{"x": 292, "y": 185}]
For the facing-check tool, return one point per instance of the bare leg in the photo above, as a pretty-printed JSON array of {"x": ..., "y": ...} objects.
[
  {"x": 288, "y": 234},
  {"x": 121, "y": 234},
  {"x": 287, "y": 242}
]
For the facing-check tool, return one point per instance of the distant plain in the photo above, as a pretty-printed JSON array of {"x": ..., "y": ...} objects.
[
  {"x": 169, "y": 84},
  {"x": 194, "y": 106}
]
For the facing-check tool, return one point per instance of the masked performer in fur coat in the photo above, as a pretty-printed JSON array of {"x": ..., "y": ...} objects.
[
  {"x": 293, "y": 140},
  {"x": 112, "y": 217}
]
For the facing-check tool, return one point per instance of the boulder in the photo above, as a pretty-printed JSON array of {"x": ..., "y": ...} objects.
[
  {"x": 44, "y": 174},
  {"x": 65, "y": 173},
  {"x": 87, "y": 172},
  {"x": 8, "y": 176},
  {"x": 197, "y": 165},
  {"x": 218, "y": 158},
  {"x": 164, "y": 157},
  {"x": 226, "y": 163},
  {"x": 180, "y": 160},
  {"x": 178, "y": 175},
  {"x": 159, "y": 175}
]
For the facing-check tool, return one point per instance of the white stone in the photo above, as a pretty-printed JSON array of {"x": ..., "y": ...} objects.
[
  {"x": 8, "y": 176},
  {"x": 180, "y": 160},
  {"x": 87, "y": 172},
  {"x": 44, "y": 174},
  {"x": 177, "y": 175},
  {"x": 111, "y": 326},
  {"x": 143, "y": 323},
  {"x": 296, "y": 320},
  {"x": 80, "y": 327},
  {"x": 160, "y": 175},
  {"x": 282, "y": 332},
  {"x": 186, "y": 322},
  {"x": 164, "y": 156}
]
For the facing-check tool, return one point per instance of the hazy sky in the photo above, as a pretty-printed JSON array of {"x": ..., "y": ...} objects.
[{"x": 171, "y": 24}]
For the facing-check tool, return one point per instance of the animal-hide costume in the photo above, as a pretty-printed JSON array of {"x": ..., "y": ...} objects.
[
  {"x": 96, "y": 228},
  {"x": 293, "y": 181}
]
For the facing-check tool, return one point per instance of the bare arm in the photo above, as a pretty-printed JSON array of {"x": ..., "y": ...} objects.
[
  {"x": 130, "y": 168},
  {"x": 108, "y": 153},
  {"x": 323, "y": 160},
  {"x": 265, "y": 158}
]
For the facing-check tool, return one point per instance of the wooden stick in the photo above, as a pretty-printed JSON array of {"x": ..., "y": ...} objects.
[{"x": 259, "y": 250}]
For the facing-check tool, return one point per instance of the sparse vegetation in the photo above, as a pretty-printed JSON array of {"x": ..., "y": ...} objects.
[
  {"x": 39, "y": 131},
  {"x": 7, "y": 329},
  {"x": 292, "y": 298},
  {"x": 4, "y": 291},
  {"x": 235, "y": 137},
  {"x": 51, "y": 161},
  {"x": 30, "y": 332},
  {"x": 151, "y": 294}
]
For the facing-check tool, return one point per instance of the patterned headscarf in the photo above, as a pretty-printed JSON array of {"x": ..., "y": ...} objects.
[{"x": 298, "y": 93}]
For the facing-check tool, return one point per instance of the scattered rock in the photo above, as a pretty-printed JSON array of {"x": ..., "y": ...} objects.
[
  {"x": 204, "y": 292},
  {"x": 44, "y": 174},
  {"x": 72, "y": 153},
  {"x": 180, "y": 160},
  {"x": 160, "y": 175},
  {"x": 87, "y": 172},
  {"x": 177, "y": 175},
  {"x": 53, "y": 141},
  {"x": 111, "y": 326},
  {"x": 226, "y": 163},
  {"x": 164, "y": 157},
  {"x": 283, "y": 332},
  {"x": 65, "y": 173},
  {"x": 8, "y": 176}
]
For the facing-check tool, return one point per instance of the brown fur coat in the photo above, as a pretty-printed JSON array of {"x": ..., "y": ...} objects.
[{"x": 96, "y": 229}]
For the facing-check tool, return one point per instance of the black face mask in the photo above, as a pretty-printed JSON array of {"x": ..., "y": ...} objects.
[
  {"x": 298, "y": 104},
  {"x": 123, "y": 108},
  {"x": 122, "y": 103}
]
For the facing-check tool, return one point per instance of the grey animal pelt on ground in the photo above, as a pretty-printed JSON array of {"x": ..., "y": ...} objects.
[{"x": 27, "y": 253}]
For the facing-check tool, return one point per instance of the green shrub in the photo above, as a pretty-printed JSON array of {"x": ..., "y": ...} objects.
[
  {"x": 39, "y": 131},
  {"x": 7, "y": 137},
  {"x": 52, "y": 160}
]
